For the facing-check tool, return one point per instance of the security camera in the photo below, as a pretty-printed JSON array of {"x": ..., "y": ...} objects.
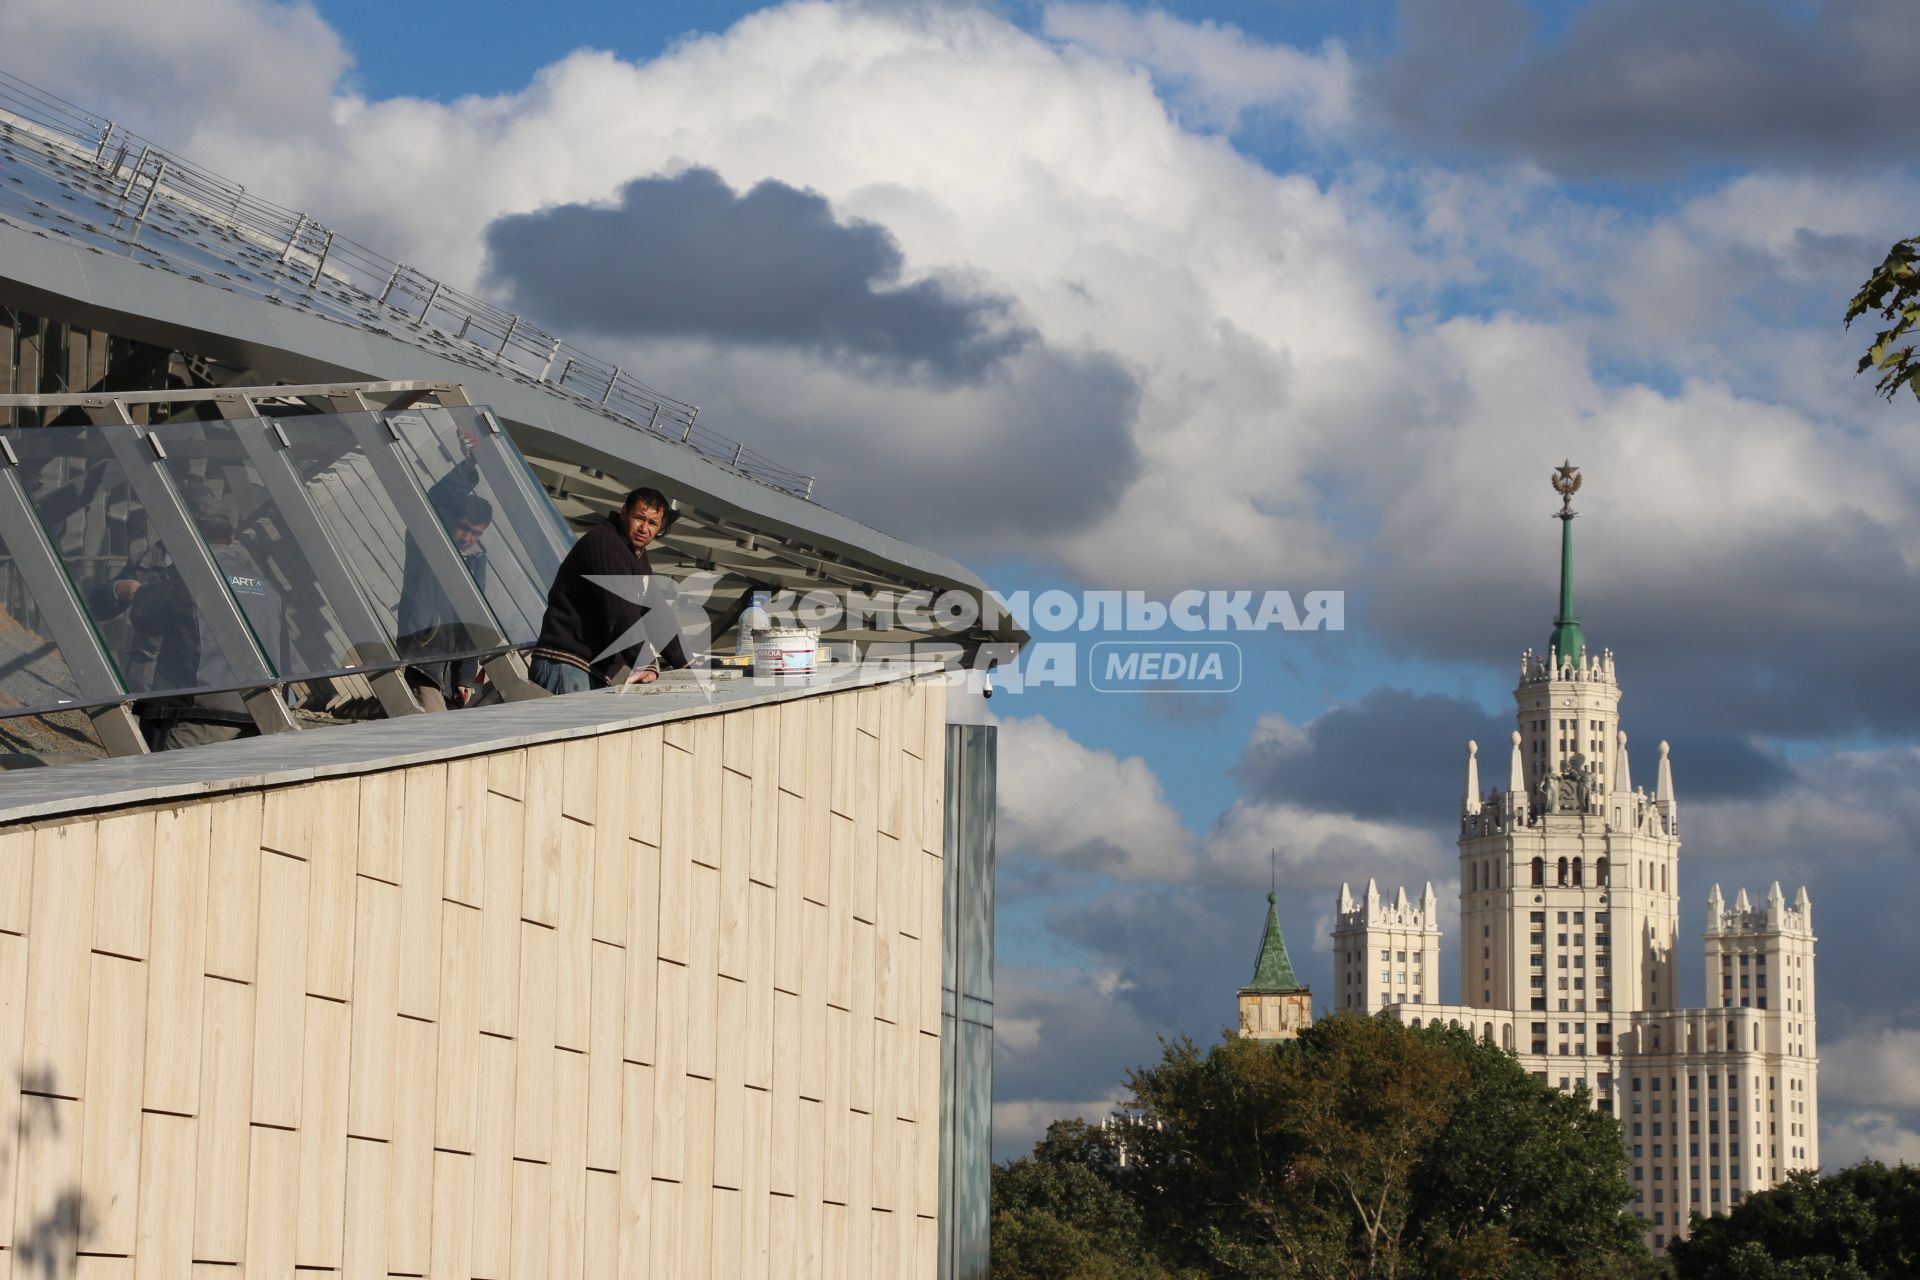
[{"x": 986, "y": 685}]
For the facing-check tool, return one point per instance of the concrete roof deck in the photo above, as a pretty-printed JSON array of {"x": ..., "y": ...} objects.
[{"x": 29, "y": 795}]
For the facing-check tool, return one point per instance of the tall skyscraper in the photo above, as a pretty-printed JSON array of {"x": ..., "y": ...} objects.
[{"x": 1569, "y": 928}]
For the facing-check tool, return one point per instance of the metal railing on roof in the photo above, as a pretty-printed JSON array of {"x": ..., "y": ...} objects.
[{"x": 202, "y": 222}]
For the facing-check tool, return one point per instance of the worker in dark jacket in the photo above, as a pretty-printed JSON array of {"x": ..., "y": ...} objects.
[{"x": 607, "y": 617}]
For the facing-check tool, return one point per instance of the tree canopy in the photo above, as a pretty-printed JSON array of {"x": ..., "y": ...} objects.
[
  {"x": 1862, "y": 1223},
  {"x": 1364, "y": 1148},
  {"x": 1892, "y": 292}
]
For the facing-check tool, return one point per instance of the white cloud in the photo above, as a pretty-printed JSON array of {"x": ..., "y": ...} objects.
[
  {"x": 1873, "y": 1067},
  {"x": 1869, "y": 1135},
  {"x": 1087, "y": 808},
  {"x": 1216, "y": 70},
  {"x": 1318, "y": 849}
]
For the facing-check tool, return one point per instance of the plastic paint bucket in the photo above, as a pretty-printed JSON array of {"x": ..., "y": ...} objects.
[{"x": 786, "y": 651}]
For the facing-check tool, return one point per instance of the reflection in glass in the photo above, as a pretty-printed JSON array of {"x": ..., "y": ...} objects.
[
  {"x": 374, "y": 542},
  {"x": 37, "y": 690}
]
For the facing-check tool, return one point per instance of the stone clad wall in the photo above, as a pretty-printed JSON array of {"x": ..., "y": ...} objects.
[{"x": 661, "y": 1002}]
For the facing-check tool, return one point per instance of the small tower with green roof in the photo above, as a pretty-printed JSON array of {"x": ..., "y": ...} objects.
[{"x": 1275, "y": 1005}]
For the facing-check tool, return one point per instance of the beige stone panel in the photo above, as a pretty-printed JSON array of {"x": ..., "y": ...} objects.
[
  {"x": 226, "y": 1105},
  {"x": 707, "y": 796},
  {"x": 323, "y": 1134},
  {"x": 532, "y": 1195},
  {"x": 600, "y": 1255},
  {"x": 926, "y": 1247},
  {"x": 636, "y": 1165},
  {"x": 813, "y": 1028},
  {"x": 604, "y": 1074},
  {"x": 727, "y": 1248},
  {"x": 839, "y": 918},
  {"x": 913, "y": 720},
  {"x": 860, "y": 1166},
  {"x": 176, "y": 963},
  {"x": 59, "y": 966},
  {"x": 115, "y": 1017},
  {"x": 759, "y": 1013},
  {"x": 612, "y": 853},
  {"x": 286, "y": 820},
  {"x": 783, "y": 1239},
  {"x": 16, "y": 879},
  {"x": 506, "y": 773},
  {"x": 755, "y": 1178},
  {"x": 927, "y": 1170},
  {"x": 540, "y": 834},
  {"x": 840, "y": 750},
  {"x": 452, "y": 1214},
  {"x": 677, "y": 820},
  {"x": 887, "y": 779},
  {"x": 909, "y": 955},
  {"x": 163, "y": 1247},
  {"x": 932, "y": 891},
  {"x": 704, "y": 897},
  {"x": 867, "y": 709},
  {"x": 500, "y": 919},
  {"x": 410, "y": 1227},
  {"x": 670, "y": 1072},
  {"x": 735, "y": 853},
  {"x": 890, "y": 1192},
  {"x": 98, "y": 1267},
  {"x": 795, "y": 732},
  {"x": 465, "y": 846},
  {"x": 885, "y": 1228},
  {"x": 696, "y": 1188},
  {"x": 233, "y": 886},
  {"x": 789, "y": 891},
  {"x": 645, "y": 785},
  {"x": 933, "y": 788},
  {"x": 573, "y": 940},
  {"x": 580, "y": 780},
  {"x": 422, "y": 872},
  {"x": 765, "y": 795},
  {"x": 811, "y": 1213},
  {"x": 729, "y": 1085},
  {"x": 913, "y": 773},
  {"x": 886, "y": 974},
  {"x": 457, "y": 1088},
  {"x": 736, "y": 742},
  {"x": 383, "y": 799},
  {"x": 330, "y": 892},
  {"x": 48, "y": 1160},
  {"x": 862, "y": 872},
  {"x": 492, "y": 1215},
  {"x": 13, "y": 1007},
  {"x": 838, "y": 1119},
  {"x": 273, "y": 1199},
  {"x": 123, "y": 883},
  {"x": 567, "y": 1186},
  {"x": 533, "y": 1047},
  {"x": 280, "y": 994},
  {"x": 861, "y": 1027},
  {"x": 890, "y": 870},
  {"x": 375, "y": 1009},
  {"x": 369, "y": 1202},
  {"x": 834, "y": 1259},
  {"x": 665, "y": 1226},
  {"x": 885, "y": 1072},
  {"x": 783, "y": 1136},
  {"x": 643, "y": 922}
]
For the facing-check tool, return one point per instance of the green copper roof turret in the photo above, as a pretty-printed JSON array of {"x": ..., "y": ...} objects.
[
  {"x": 1273, "y": 972},
  {"x": 1568, "y": 641}
]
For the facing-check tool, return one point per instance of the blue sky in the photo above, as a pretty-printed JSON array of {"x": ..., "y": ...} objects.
[{"x": 1251, "y": 295}]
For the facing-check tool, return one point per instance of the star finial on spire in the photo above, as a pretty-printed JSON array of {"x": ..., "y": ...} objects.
[{"x": 1566, "y": 483}]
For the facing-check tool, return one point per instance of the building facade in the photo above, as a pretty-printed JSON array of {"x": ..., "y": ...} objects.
[{"x": 1569, "y": 937}]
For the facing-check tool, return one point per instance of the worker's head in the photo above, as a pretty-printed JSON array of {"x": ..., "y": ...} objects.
[
  {"x": 645, "y": 516},
  {"x": 471, "y": 516}
]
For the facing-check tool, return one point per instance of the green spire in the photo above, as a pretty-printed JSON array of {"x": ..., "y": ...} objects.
[
  {"x": 1273, "y": 972},
  {"x": 1568, "y": 640}
]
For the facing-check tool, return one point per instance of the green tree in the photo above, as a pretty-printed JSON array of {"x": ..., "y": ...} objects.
[
  {"x": 1893, "y": 293},
  {"x": 1862, "y": 1223},
  {"x": 1059, "y": 1214}
]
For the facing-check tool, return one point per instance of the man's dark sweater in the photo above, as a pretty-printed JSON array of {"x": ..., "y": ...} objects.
[{"x": 584, "y": 620}]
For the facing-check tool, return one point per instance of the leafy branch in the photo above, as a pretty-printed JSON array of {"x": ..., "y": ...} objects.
[{"x": 1892, "y": 292}]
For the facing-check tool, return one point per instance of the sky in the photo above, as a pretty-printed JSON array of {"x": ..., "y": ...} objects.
[{"x": 1250, "y": 296}]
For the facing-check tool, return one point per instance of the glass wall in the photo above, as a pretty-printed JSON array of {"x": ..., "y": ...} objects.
[
  {"x": 966, "y": 1002},
  {"x": 189, "y": 566}
]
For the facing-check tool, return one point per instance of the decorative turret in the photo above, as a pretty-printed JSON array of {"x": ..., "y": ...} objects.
[
  {"x": 1568, "y": 644},
  {"x": 1470, "y": 804},
  {"x": 1622, "y": 773},
  {"x": 1517, "y": 783},
  {"x": 1274, "y": 1006},
  {"x": 1663, "y": 797}
]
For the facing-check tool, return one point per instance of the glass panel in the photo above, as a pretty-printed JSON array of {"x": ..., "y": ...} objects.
[
  {"x": 431, "y": 618},
  {"x": 33, "y": 674},
  {"x": 267, "y": 568},
  {"x": 512, "y": 566},
  {"x": 146, "y": 618}
]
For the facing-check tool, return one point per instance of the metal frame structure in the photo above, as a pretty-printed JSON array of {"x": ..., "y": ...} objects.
[{"x": 139, "y": 452}]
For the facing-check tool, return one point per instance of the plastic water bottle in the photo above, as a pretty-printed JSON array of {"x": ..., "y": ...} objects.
[{"x": 753, "y": 621}]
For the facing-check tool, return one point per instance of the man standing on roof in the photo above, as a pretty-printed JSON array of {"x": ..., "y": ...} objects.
[
  {"x": 428, "y": 624},
  {"x": 606, "y": 615}
]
